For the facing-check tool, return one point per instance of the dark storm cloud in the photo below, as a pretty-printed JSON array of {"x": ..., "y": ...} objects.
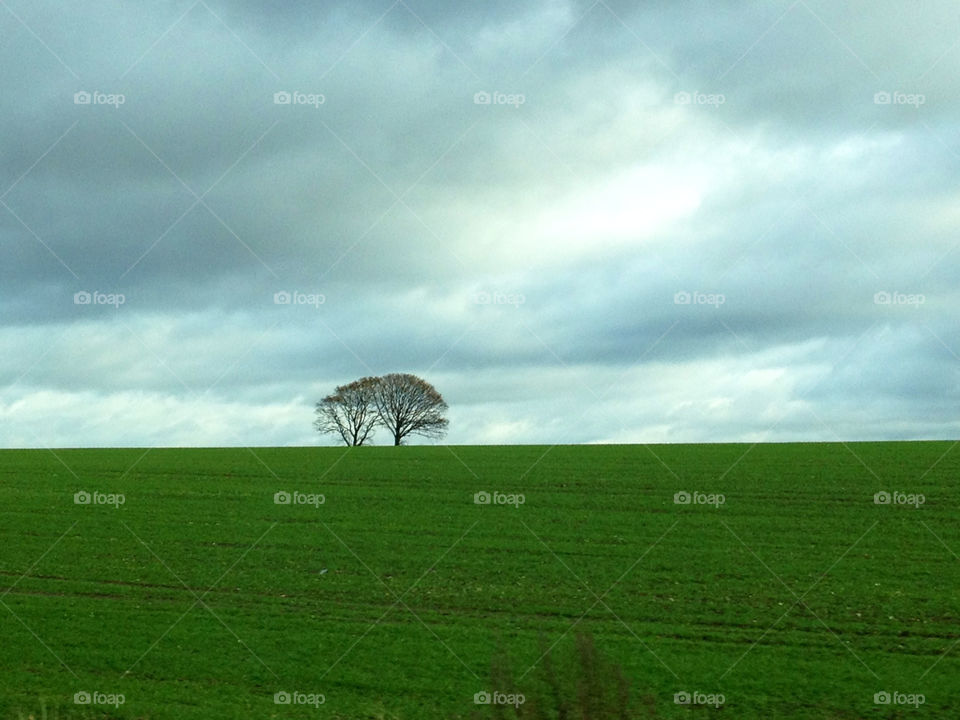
[{"x": 687, "y": 198}]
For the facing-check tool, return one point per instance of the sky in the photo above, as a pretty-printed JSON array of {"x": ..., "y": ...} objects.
[{"x": 583, "y": 222}]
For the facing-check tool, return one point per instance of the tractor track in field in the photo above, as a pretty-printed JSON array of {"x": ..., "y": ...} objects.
[
  {"x": 729, "y": 630},
  {"x": 122, "y": 583},
  {"x": 771, "y": 641}
]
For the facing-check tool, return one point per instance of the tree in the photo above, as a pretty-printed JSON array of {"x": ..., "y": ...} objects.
[
  {"x": 351, "y": 411},
  {"x": 407, "y": 404}
]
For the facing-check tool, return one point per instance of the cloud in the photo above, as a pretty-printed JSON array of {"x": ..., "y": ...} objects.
[{"x": 669, "y": 223}]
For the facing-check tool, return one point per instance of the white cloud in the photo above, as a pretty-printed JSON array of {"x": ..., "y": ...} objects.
[{"x": 595, "y": 201}]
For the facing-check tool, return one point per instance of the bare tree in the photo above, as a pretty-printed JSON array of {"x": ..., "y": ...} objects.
[
  {"x": 407, "y": 404},
  {"x": 351, "y": 411}
]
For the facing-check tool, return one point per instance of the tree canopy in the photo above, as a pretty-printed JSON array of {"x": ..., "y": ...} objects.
[
  {"x": 401, "y": 403},
  {"x": 351, "y": 411}
]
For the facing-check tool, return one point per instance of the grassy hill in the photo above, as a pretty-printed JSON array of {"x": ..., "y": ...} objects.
[{"x": 384, "y": 589}]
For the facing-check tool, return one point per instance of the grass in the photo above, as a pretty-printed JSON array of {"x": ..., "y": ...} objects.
[{"x": 399, "y": 597}]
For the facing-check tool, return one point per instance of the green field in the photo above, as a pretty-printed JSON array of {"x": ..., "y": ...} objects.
[{"x": 200, "y": 597}]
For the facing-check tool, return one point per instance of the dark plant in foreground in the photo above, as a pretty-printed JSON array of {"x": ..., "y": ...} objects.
[{"x": 582, "y": 685}]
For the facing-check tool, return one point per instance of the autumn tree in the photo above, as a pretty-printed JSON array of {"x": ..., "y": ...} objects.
[
  {"x": 407, "y": 404},
  {"x": 351, "y": 411}
]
